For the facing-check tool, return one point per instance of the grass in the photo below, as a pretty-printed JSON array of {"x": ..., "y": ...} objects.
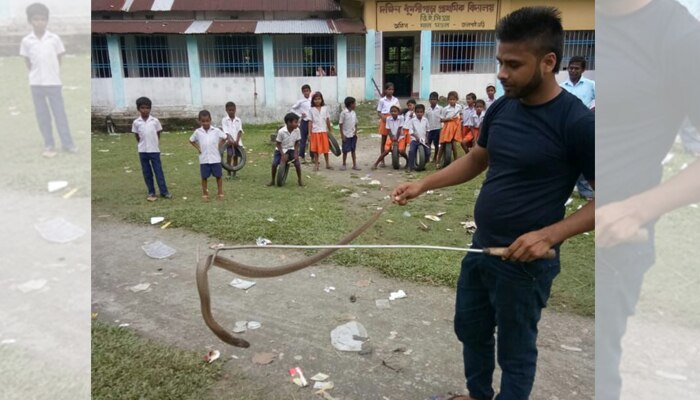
[
  {"x": 119, "y": 191},
  {"x": 29, "y": 172}
]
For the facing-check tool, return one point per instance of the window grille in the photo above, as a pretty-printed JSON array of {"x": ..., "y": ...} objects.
[
  {"x": 356, "y": 56},
  {"x": 304, "y": 55},
  {"x": 230, "y": 55},
  {"x": 579, "y": 43},
  {"x": 100, "y": 57},
  {"x": 468, "y": 51},
  {"x": 154, "y": 56}
]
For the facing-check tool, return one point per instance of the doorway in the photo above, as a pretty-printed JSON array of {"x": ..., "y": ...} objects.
[{"x": 398, "y": 64}]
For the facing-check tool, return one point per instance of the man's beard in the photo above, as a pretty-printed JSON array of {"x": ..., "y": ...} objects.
[{"x": 529, "y": 88}]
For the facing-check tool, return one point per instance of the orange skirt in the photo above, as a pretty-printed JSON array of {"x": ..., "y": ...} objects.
[
  {"x": 475, "y": 133},
  {"x": 451, "y": 131},
  {"x": 406, "y": 137},
  {"x": 467, "y": 134},
  {"x": 319, "y": 142},
  {"x": 390, "y": 141},
  {"x": 382, "y": 125}
]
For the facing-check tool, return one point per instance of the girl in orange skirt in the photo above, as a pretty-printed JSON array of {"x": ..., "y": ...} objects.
[
  {"x": 477, "y": 118},
  {"x": 320, "y": 127},
  {"x": 467, "y": 137},
  {"x": 383, "y": 110},
  {"x": 408, "y": 115},
  {"x": 394, "y": 125},
  {"x": 451, "y": 130}
]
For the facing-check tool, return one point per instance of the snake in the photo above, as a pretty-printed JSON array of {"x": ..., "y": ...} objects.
[{"x": 204, "y": 265}]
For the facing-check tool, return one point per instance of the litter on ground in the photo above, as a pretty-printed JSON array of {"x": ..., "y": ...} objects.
[
  {"x": 242, "y": 284},
  {"x": 298, "y": 377},
  {"x": 157, "y": 220},
  {"x": 343, "y": 337},
  {"x": 212, "y": 356},
  {"x": 141, "y": 287},
  {"x": 58, "y": 230},
  {"x": 432, "y": 218},
  {"x": 55, "y": 186},
  {"x": 158, "y": 250},
  {"x": 397, "y": 295}
]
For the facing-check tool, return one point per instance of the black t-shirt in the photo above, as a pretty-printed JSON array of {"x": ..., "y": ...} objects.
[
  {"x": 647, "y": 66},
  {"x": 535, "y": 155}
]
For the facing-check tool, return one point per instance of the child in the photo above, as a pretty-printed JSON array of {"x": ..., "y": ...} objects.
[
  {"x": 451, "y": 132},
  {"x": 301, "y": 108},
  {"x": 408, "y": 115},
  {"x": 383, "y": 109},
  {"x": 207, "y": 140},
  {"x": 466, "y": 123},
  {"x": 418, "y": 129},
  {"x": 233, "y": 128},
  {"x": 288, "y": 138},
  {"x": 490, "y": 93},
  {"x": 394, "y": 125},
  {"x": 432, "y": 114},
  {"x": 348, "y": 126},
  {"x": 319, "y": 134},
  {"x": 147, "y": 130},
  {"x": 42, "y": 51},
  {"x": 477, "y": 119}
]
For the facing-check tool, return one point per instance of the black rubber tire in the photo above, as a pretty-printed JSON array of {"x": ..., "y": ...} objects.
[
  {"x": 420, "y": 158},
  {"x": 447, "y": 155},
  {"x": 333, "y": 144},
  {"x": 242, "y": 157},
  {"x": 282, "y": 172},
  {"x": 395, "y": 158}
]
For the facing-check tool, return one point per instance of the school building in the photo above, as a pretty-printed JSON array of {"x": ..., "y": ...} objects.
[{"x": 186, "y": 54}]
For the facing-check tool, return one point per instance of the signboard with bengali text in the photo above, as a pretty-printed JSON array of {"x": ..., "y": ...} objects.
[{"x": 436, "y": 15}]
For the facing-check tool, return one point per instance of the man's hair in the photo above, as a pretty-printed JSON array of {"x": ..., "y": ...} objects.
[
  {"x": 578, "y": 59},
  {"x": 434, "y": 95},
  {"x": 290, "y": 117},
  {"x": 411, "y": 101},
  {"x": 349, "y": 101},
  {"x": 471, "y": 95},
  {"x": 204, "y": 113},
  {"x": 143, "y": 101},
  {"x": 420, "y": 107},
  {"x": 480, "y": 101},
  {"x": 452, "y": 94},
  {"x": 230, "y": 104},
  {"x": 37, "y": 9},
  {"x": 541, "y": 26},
  {"x": 305, "y": 86}
]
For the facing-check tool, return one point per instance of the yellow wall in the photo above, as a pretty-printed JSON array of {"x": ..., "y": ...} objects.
[
  {"x": 370, "y": 14},
  {"x": 575, "y": 14}
]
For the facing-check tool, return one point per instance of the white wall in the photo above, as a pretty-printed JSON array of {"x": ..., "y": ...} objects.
[
  {"x": 240, "y": 90},
  {"x": 102, "y": 94},
  {"x": 356, "y": 88},
  {"x": 161, "y": 91},
  {"x": 288, "y": 89},
  {"x": 462, "y": 83}
]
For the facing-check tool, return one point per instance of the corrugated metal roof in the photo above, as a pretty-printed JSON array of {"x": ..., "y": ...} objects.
[
  {"x": 232, "y": 26},
  {"x": 142, "y": 26},
  {"x": 162, "y": 5},
  {"x": 257, "y": 5},
  {"x": 140, "y": 5},
  {"x": 199, "y": 27},
  {"x": 319, "y": 26},
  {"x": 347, "y": 26},
  {"x": 107, "y": 5}
]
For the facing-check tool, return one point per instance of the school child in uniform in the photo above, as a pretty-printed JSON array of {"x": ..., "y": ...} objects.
[
  {"x": 451, "y": 131},
  {"x": 320, "y": 127},
  {"x": 408, "y": 114},
  {"x": 418, "y": 131},
  {"x": 301, "y": 108},
  {"x": 432, "y": 114},
  {"x": 287, "y": 142},
  {"x": 147, "y": 130},
  {"x": 477, "y": 119},
  {"x": 394, "y": 125},
  {"x": 466, "y": 122},
  {"x": 383, "y": 111},
  {"x": 207, "y": 139},
  {"x": 233, "y": 128},
  {"x": 348, "y": 127}
]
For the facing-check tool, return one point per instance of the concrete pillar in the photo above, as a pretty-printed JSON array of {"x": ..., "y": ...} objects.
[
  {"x": 426, "y": 44},
  {"x": 195, "y": 72},
  {"x": 369, "y": 64},
  {"x": 116, "y": 67},
  {"x": 341, "y": 51},
  {"x": 269, "y": 70}
]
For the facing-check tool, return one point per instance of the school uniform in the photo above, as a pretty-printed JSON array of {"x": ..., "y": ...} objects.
[
  {"x": 434, "y": 124},
  {"x": 467, "y": 113},
  {"x": 348, "y": 120},
  {"x": 287, "y": 140},
  {"x": 418, "y": 130},
  {"x": 210, "y": 158},
  {"x": 319, "y": 130},
  {"x": 302, "y": 107},
  {"x": 476, "y": 121},
  {"x": 384, "y": 107},
  {"x": 451, "y": 131},
  {"x": 232, "y": 127},
  {"x": 395, "y": 129},
  {"x": 407, "y": 117},
  {"x": 149, "y": 153}
]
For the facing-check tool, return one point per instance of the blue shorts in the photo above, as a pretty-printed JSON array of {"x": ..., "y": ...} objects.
[
  {"x": 434, "y": 137},
  {"x": 207, "y": 170},
  {"x": 277, "y": 158},
  {"x": 349, "y": 144}
]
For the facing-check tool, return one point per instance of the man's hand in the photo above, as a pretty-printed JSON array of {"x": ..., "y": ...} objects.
[
  {"x": 529, "y": 247},
  {"x": 619, "y": 222},
  {"x": 405, "y": 192}
]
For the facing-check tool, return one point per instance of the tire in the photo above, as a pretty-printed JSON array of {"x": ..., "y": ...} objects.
[
  {"x": 333, "y": 144},
  {"x": 242, "y": 157},
  {"x": 395, "y": 155},
  {"x": 447, "y": 155},
  {"x": 282, "y": 172},
  {"x": 420, "y": 158}
]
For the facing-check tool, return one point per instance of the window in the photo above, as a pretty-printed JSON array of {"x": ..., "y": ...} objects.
[
  {"x": 468, "y": 51},
  {"x": 356, "y": 56},
  {"x": 319, "y": 55},
  {"x": 100, "y": 57},
  {"x": 154, "y": 56},
  {"x": 579, "y": 43},
  {"x": 239, "y": 55},
  {"x": 303, "y": 55}
]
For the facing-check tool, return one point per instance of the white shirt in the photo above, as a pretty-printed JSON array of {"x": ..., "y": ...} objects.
[
  {"x": 418, "y": 127},
  {"x": 407, "y": 117},
  {"x": 302, "y": 107},
  {"x": 148, "y": 134},
  {"x": 433, "y": 116},
  {"x": 395, "y": 126},
  {"x": 208, "y": 144},
  {"x": 449, "y": 112},
  {"x": 43, "y": 56},
  {"x": 288, "y": 139},
  {"x": 467, "y": 115},
  {"x": 348, "y": 120},
  {"x": 233, "y": 127},
  {"x": 476, "y": 120},
  {"x": 318, "y": 119},
  {"x": 489, "y": 102},
  {"x": 384, "y": 105}
]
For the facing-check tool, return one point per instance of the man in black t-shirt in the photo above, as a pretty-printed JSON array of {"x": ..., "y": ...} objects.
[{"x": 535, "y": 141}]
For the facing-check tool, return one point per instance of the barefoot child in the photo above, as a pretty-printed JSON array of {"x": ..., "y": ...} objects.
[
  {"x": 477, "y": 119},
  {"x": 147, "y": 130},
  {"x": 432, "y": 114},
  {"x": 320, "y": 127},
  {"x": 301, "y": 108},
  {"x": 418, "y": 130},
  {"x": 451, "y": 131},
  {"x": 348, "y": 127},
  {"x": 233, "y": 128},
  {"x": 467, "y": 138},
  {"x": 288, "y": 138},
  {"x": 207, "y": 139},
  {"x": 383, "y": 111},
  {"x": 408, "y": 114},
  {"x": 395, "y": 126}
]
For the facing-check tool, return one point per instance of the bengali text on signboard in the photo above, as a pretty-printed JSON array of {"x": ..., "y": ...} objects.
[{"x": 436, "y": 15}]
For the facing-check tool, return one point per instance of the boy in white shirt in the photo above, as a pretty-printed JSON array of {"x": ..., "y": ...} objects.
[
  {"x": 287, "y": 141},
  {"x": 394, "y": 124},
  {"x": 301, "y": 108},
  {"x": 207, "y": 139},
  {"x": 477, "y": 119},
  {"x": 418, "y": 129},
  {"x": 233, "y": 128},
  {"x": 348, "y": 127},
  {"x": 147, "y": 130},
  {"x": 383, "y": 111},
  {"x": 467, "y": 113},
  {"x": 432, "y": 114},
  {"x": 42, "y": 51}
]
